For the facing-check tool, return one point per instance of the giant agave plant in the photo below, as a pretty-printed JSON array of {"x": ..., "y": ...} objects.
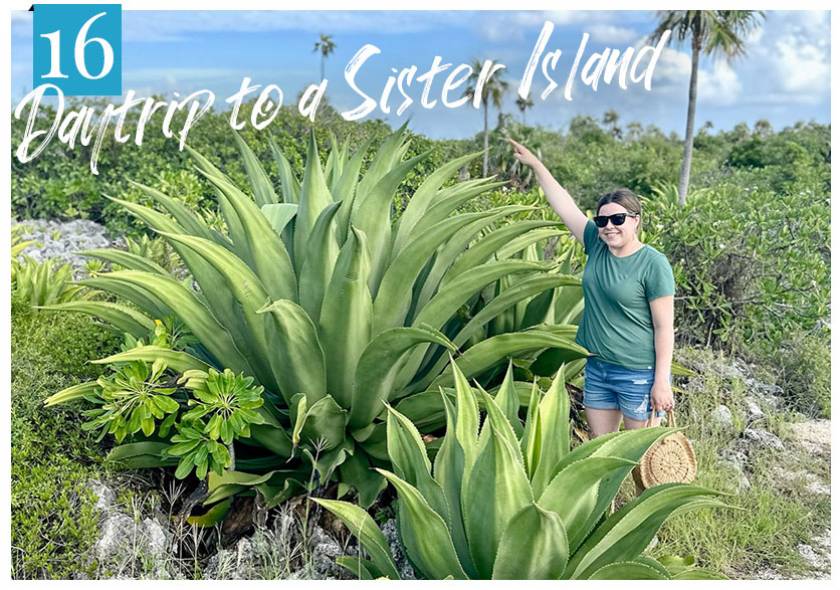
[
  {"x": 335, "y": 308},
  {"x": 512, "y": 501}
]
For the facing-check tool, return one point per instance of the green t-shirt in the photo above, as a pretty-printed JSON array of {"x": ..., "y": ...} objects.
[{"x": 617, "y": 325}]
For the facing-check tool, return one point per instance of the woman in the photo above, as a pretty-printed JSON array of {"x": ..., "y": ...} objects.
[{"x": 628, "y": 317}]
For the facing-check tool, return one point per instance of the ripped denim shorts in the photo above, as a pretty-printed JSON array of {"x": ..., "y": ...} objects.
[{"x": 612, "y": 387}]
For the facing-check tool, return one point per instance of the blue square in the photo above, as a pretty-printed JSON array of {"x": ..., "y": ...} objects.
[{"x": 78, "y": 47}]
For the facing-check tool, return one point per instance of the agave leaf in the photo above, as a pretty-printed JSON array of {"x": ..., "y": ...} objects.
[
  {"x": 378, "y": 367},
  {"x": 425, "y": 409},
  {"x": 394, "y": 296},
  {"x": 300, "y": 358},
  {"x": 273, "y": 438},
  {"x": 507, "y": 399},
  {"x": 372, "y": 214},
  {"x": 230, "y": 483},
  {"x": 501, "y": 425},
  {"x": 357, "y": 471},
  {"x": 279, "y": 215},
  {"x": 323, "y": 423},
  {"x": 450, "y": 199},
  {"x": 344, "y": 325},
  {"x": 697, "y": 573},
  {"x": 141, "y": 455},
  {"x": 266, "y": 252},
  {"x": 627, "y": 570},
  {"x": 289, "y": 184},
  {"x": 390, "y": 151},
  {"x": 573, "y": 493},
  {"x": 485, "y": 248},
  {"x": 151, "y": 305},
  {"x": 188, "y": 220},
  {"x": 448, "y": 472},
  {"x": 176, "y": 360},
  {"x": 195, "y": 316},
  {"x": 526, "y": 288},
  {"x": 629, "y": 445},
  {"x": 363, "y": 569},
  {"x": 314, "y": 198},
  {"x": 456, "y": 246},
  {"x": 533, "y": 546},
  {"x": 220, "y": 300},
  {"x": 125, "y": 259},
  {"x": 125, "y": 319},
  {"x": 249, "y": 291},
  {"x": 626, "y": 533},
  {"x": 486, "y": 354},
  {"x": 319, "y": 261},
  {"x": 425, "y": 534},
  {"x": 345, "y": 187},
  {"x": 72, "y": 393},
  {"x": 554, "y": 432},
  {"x": 260, "y": 183},
  {"x": 531, "y": 435},
  {"x": 422, "y": 198},
  {"x": 411, "y": 462},
  {"x": 499, "y": 479},
  {"x": 466, "y": 420},
  {"x": 364, "y": 528}
]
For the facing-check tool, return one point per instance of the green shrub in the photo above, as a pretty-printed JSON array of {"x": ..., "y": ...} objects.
[
  {"x": 803, "y": 363},
  {"x": 751, "y": 266},
  {"x": 53, "y": 519}
]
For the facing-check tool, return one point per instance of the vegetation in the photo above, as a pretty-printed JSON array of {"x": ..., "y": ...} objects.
[
  {"x": 330, "y": 309},
  {"x": 230, "y": 260},
  {"x": 512, "y": 501}
]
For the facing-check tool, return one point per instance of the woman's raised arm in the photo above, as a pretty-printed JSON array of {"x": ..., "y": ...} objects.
[{"x": 558, "y": 197}]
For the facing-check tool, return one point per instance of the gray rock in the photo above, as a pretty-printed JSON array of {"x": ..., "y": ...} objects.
[
  {"x": 742, "y": 483},
  {"x": 722, "y": 417},
  {"x": 104, "y": 495},
  {"x": 406, "y": 572},
  {"x": 754, "y": 412},
  {"x": 325, "y": 550},
  {"x": 762, "y": 438},
  {"x": 62, "y": 240},
  {"x": 116, "y": 536}
]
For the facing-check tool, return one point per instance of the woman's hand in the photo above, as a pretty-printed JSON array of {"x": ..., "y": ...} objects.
[
  {"x": 661, "y": 396},
  {"x": 523, "y": 154}
]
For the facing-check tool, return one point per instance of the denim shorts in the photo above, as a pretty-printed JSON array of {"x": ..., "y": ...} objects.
[{"x": 612, "y": 387}]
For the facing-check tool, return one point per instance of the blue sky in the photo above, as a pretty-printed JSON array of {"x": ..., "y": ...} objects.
[{"x": 784, "y": 78}]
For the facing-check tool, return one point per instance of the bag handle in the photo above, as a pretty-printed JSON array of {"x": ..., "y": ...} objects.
[{"x": 672, "y": 417}]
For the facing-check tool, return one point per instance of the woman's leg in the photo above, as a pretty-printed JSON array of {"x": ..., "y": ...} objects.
[
  {"x": 631, "y": 424},
  {"x": 602, "y": 421}
]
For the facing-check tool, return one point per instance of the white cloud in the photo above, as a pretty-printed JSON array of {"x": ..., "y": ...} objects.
[
  {"x": 717, "y": 82},
  {"x": 611, "y": 34}
]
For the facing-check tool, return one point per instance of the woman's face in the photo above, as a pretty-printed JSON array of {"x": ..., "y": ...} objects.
[{"x": 617, "y": 236}]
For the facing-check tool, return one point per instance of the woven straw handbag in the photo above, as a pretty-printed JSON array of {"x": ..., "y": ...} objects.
[{"x": 670, "y": 460}]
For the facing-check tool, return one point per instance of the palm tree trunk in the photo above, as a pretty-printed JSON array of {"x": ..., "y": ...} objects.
[
  {"x": 486, "y": 163},
  {"x": 685, "y": 169},
  {"x": 322, "y": 68}
]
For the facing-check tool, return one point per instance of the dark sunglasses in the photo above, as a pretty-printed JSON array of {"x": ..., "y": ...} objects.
[{"x": 617, "y": 219}]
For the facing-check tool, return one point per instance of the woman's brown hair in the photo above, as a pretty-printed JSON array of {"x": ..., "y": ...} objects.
[{"x": 624, "y": 197}]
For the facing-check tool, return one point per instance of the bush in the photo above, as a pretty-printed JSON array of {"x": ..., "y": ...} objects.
[
  {"x": 751, "y": 266},
  {"x": 804, "y": 366},
  {"x": 54, "y": 520}
]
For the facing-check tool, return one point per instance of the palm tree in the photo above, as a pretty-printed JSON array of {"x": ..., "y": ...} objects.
[
  {"x": 326, "y": 46},
  {"x": 610, "y": 119},
  {"x": 523, "y": 104},
  {"x": 492, "y": 92},
  {"x": 717, "y": 33}
]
